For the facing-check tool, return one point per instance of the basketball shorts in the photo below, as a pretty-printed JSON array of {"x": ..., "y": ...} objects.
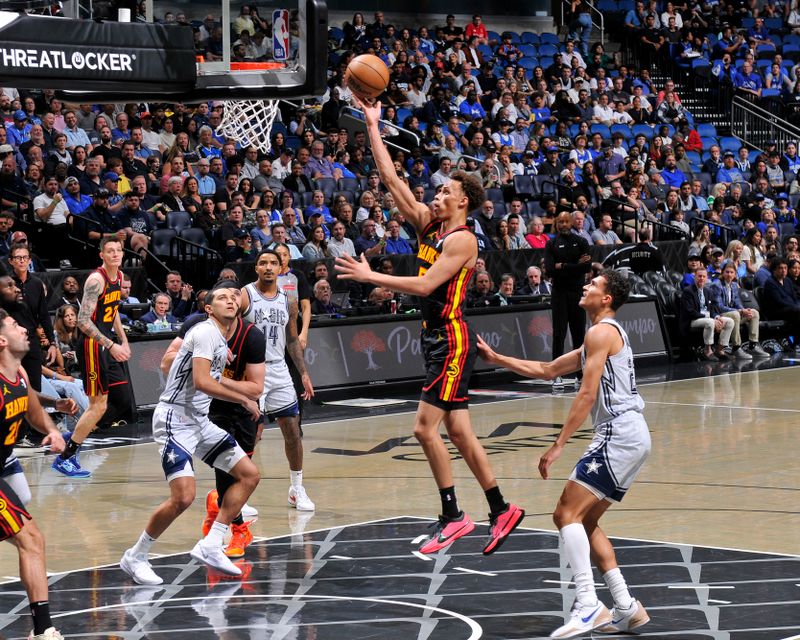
[
  {"x": 279, "y": 399},
  {"x": 614, "y": 458},
  {"x": 450, "y": 352},
  {"x": 98, "y": 369},
  {"x": 181, "y": 437},
  {"x": 12, "y": 512},
  {"x": 240, "y": 425}
]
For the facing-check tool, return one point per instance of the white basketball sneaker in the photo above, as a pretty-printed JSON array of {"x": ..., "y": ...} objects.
[
  {"x": 138, "y": 567},
  {"x": 582, "y": 620},
  {"x": 298, "y": 498},
  {"x": 249, "y": 514},
  {"x": 626, "y": 619},
  {"x": 214, "y": 556}
]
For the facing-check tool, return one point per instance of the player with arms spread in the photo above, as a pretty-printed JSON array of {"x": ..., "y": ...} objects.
[
  {"x": 610, "y": 463},
  {"x": 16, "y": 403},
  {"x": 446, "y": 260},
  {"x": 182, "y": 429},
  {"x": 100, "y": 356},
  {"x": 271, "y": 309}
]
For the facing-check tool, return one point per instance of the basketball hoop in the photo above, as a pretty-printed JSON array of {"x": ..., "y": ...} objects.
[{"x": 249, "y": 122}]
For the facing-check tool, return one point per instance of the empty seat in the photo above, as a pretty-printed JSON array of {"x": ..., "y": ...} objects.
[{"x": 179, "y": 220}]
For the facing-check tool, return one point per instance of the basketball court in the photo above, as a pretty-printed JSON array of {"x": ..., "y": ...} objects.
[{"x": 708, "y": 537}]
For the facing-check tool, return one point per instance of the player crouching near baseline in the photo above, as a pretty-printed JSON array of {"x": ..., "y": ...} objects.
[
  {"x": 182, "y": 429},
  {"x": 609, "y": 465}
]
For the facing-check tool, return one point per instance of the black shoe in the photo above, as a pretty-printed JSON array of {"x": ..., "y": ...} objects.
[{"x": 709, "y": 357}]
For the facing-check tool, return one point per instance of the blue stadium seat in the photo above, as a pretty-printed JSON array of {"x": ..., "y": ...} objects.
[
  {"x": 515, "y": 39},
  {"x": 730, "y": 143},
  {"x": 193, "y": 234},
  {"x": 486, "y": 51},
  {"x": 624, "y": 129},
  {"x": 771, "y": 23},
  {"x": 493, "y": 35},
  {"x": 523, "y": 187},
  {"x": 549, "y": 38},
  {"x": 528, "y": 63},
  {"x": 748, "y": 22},
  {"x": 602, "y": 129},
  {"x": 706, "y": 130},
  {"x": 547, "y": 49},
  {"x": 694, "y": 157},
  {"x": 529, "y": 50},
  {"x": 642, "y": 129},
  {"x": 770, "y": 93},
  {"x": 529, "y": 37},
  {"x": 708, "y": 142},
  {"x": 335, "y": 34},
  {"x": 179, "y": 220},
  {"x": 545, "y": 61}
]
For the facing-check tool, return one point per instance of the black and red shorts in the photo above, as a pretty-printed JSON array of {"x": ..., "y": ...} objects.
[
  {"x": 99, "y": 370},
  {"x": 12, "y": 512},
  {"x": 450, "y": 352}
]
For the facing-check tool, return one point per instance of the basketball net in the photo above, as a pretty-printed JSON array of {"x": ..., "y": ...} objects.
[{"x": 249, "y": 122}]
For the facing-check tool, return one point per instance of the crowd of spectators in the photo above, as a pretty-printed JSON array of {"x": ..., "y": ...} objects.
[{"x": 547, "y": 126}]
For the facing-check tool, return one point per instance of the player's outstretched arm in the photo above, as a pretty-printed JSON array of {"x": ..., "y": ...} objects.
[
  {"x": 597, "y": 346},
  {"x": 416, "y": 212},
  {"x": 457, "y": 251},
  {"x": 170, "y": 354},
  {"x": 568, "y": 363}
]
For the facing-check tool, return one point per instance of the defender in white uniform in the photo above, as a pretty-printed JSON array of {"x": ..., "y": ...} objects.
[
  {"x": 182, "y": 429},
  {"x": 609, "y": 465},
  {"x": 271, "y": 310}
]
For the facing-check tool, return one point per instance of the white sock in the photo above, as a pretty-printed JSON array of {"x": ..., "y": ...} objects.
[
  {"x": 216, "y": 534},
  {"x": 296, "y": 477},
  {"x": 577, "y": 550},
  {"x": 619, "y": 589},
  {"x": 143, "y": 544}
]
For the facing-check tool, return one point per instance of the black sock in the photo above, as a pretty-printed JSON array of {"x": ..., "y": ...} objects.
[
  {"x": 71, "y": 449},
  {"x": 495, "y": 499},
  {"x": 449, "y": 503},
  {"x": 41, "y": 617},
  {"x": 238, "y": 520}
]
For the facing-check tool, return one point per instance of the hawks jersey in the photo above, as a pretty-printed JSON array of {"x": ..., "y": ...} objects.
[
  {"x": 617, "y": 393},
  {"x": 13, "y": 406},
  {"x": 107, "y": 303},
  {"x": 271, "y": 315},
  {"x": 203, "y": 341},
  {"x": 446, "y": 303}
]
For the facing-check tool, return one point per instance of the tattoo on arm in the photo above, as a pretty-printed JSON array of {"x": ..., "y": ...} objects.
[
  {"x": 292, "y": 341},
  {"x": 91, "y": 294}
]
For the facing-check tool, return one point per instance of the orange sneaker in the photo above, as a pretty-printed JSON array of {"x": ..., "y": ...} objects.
[
  {"x": 212, "y": 511},
  {"x": 241, "y": 536}
]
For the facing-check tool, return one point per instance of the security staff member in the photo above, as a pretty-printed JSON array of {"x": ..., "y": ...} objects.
[
  {"x": 567, "y": 261},
  {"x": 644, "y": 256}
]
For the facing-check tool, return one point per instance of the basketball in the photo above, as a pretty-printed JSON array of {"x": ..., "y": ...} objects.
[{"x": 367, "y": 76}]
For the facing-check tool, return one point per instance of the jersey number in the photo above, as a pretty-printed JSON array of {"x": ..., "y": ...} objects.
[
  {"x": 108, "y": 316},
  {"x": 273, "y": 335},
  {"x": 422, "y": 271},
  {"x": 11, "y": 438}
]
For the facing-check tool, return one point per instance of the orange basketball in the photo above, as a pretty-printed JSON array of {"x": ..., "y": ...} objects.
[{"x": 367, "y": 76}]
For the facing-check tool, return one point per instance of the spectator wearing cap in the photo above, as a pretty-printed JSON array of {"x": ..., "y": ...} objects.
[
  {"x": 76, "y": 201},
  {"x": 20, "y": 131},
  {"x": 111, "y": 184},
  {"x": 242, "y": 249},
  {"x": 470, "y": 108},
  {"x": 552, "y": 164},
  {"x": 503, "y": 136},
  {"x": 49, "y": 206},
  {"x": 98, "y": 221},
  {"x": 418, "y": 176},
  {"x": 151, "y": 139},
  {"x": 13, "y": 189},
  {"x": 282, "y": 165},
  {"x": 729, "y": 173},
  {"x": 135, "y": 222},
  {"x": 777, "y": 180}
]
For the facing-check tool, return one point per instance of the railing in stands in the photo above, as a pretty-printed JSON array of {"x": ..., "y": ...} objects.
[
  {"x": 354, "y": 117},
  {"x": 756, "y": 126},
  {"x": 721, "y": 234},
  {"x": 197, "y": 263}
]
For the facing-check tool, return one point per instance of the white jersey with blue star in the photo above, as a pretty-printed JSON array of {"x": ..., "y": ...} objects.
[
  {"x": 271, "y": 315},
  {"x": 205, "y": 341},
  {"x": 617, "y": 392}
]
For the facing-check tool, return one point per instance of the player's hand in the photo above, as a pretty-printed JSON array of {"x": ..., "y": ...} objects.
[
  {"x": 302, "y": 338},
  {"x": 119, "y": 352},
  {"x": 308, "y": 392},
  {"x": 55, "y": 441},
  {"x": 485, "y": 351},
  {"x": 67, "y": 405},
  {"x": 52, "y": 354},
  {"x": 252, "y": 408},
  {"x": 585, "y": 258},
  {"x": 372, "y": 110},
  {"x": 348, "y": 268},
  {"x": 549, "y": 457}
]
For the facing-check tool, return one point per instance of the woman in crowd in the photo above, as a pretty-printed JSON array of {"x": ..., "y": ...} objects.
[
  {"x": 252, "y": 200},
  {"x": 78, "y": 167},
  {"x": 794, "y": 275},
  {"x": 536, "y": 237},
  {"x": 287, "y": 202},
  {"x": 67, "y": 337},
  {"x": 261, "y": 233},
  {"x": 733, "y": 256},
  {"x": 366, "y": 202},
  {"x": 501, "y": 239},
  {"x": 316, "y": 248},
  {"x": 190, "y": 195},
  {"x": 701, "y": 238},
  {"x": 753, "y": 253},
  {"x": 208, "y": 219}
]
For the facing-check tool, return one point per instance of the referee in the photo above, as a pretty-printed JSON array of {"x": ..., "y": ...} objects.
[{"x": 567, "y": 261}]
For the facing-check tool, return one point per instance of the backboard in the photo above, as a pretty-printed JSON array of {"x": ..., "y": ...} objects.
[{"x": 175, "y": 50}]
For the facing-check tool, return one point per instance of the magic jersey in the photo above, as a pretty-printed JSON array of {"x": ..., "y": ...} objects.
[
  {"x": 617, "y": 393},
  {"x": 203, "y": 341},
  {"x": 271, "y": 315},
  {"x": 107, "y": 303},
  {"x": 13, "y": 406},
  {"x": 446, "y": 303}
]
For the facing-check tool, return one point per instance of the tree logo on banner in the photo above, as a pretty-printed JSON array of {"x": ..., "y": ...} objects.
[{"x": 367, "y": 342}]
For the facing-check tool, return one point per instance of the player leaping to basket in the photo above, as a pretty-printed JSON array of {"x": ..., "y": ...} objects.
[{"x": 446, "y": 260}]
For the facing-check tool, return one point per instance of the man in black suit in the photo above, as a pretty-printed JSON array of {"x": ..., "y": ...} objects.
[
  {"x": 699, "y": 310},
  {"x": 534, "y": 286}
]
